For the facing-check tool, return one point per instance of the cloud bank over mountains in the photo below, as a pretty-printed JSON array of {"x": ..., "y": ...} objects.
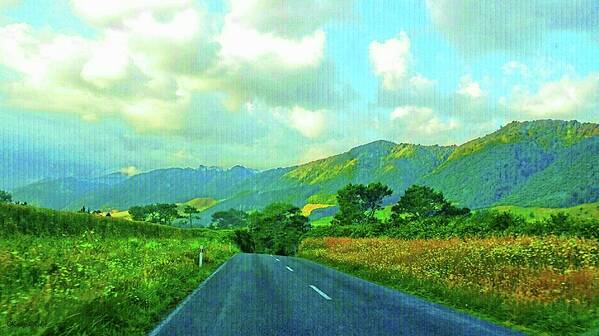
[{"x": 261, "y": 82}]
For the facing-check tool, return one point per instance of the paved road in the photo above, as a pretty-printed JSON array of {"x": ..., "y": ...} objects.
[{"x": 255, "y": 294}]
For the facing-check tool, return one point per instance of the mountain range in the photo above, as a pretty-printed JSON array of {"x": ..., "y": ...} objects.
[{"x": 548, "y": 163}]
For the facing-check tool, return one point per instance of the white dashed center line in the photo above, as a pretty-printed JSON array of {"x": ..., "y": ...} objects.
[
  {"x": 289, "y": 268},
  {"x": 277, "y": 259},
  {"x": 320, "y": 292}
]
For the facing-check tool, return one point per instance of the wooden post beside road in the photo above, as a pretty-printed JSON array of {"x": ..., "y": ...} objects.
[{"x": 201, "y": 258}]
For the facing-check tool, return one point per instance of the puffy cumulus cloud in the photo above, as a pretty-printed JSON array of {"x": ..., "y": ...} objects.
[
  {"x": 288, "y": 18},
  {"x": 391, "y": 60},
  {"x": 129, "y": 171},
  {"x": 268, "y": 64},
  {"x": 309, "y": 123},
  {"x": 422, "y": 124},
  {"x": 475, "y": 26},
  {"x": 91, "y": 78},
  {"x": 421, "y": 111},
  {"x": 565, "y": 98},
  {"x": 470, "y": 88},
  {"x": 150, "y": 57},
  {"x": 240, "y": 44}
]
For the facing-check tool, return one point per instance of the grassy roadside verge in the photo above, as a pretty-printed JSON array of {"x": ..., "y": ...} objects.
[
  {"x": 540, "y": 286},
  {"x": 119, "y": 280}
]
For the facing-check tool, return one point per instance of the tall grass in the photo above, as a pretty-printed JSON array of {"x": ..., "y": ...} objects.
[
  {"x": 76, "y": 274},
  {"x": 540, "y": 284},
  {"x": 18, "y": 219}
]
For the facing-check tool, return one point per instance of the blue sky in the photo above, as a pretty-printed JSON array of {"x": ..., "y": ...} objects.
[{"x": 89, "y": 87}]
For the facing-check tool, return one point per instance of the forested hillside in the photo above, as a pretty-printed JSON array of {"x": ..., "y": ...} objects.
[{"x": 547, "y": 163}]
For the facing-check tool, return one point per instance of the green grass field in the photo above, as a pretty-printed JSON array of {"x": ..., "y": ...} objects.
[
  {"x": 76, "y": 274},
  {"x": 583, "y": 211},
  {"x": 382, "y": 214},
  {"x": 200, "y": 204}
]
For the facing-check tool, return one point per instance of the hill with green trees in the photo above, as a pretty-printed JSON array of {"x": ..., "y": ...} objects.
[
  {"x": 545, "y": 163},
  {"x": 541, "y": 163}
]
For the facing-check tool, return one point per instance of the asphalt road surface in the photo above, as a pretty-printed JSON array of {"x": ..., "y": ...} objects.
[{"x": 254, "y": 294}]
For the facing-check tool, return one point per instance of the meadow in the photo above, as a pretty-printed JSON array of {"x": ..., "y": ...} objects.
[
  {"x": 583, "y": 211},
  {"x": 540, "y": 285},
  {"x": 77, "y": 274},
  {"x": 588, "y": 211}
]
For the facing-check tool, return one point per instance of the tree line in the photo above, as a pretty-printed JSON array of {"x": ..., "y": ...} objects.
[{"x": 424, "y": 213}]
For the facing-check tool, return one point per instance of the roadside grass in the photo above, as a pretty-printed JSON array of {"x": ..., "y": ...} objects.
[
  {"x": 588, "y": 211},
  {"x": 96, "y": 276},
  {"x": 542, "y": 286}
]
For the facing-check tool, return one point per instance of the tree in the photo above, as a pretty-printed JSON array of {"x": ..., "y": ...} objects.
[
  {"x": 189, "y": 210},
  {"x": 165, "y": 213},
  {"x": 155, "y": 213},
  {"x": 358, "y": 203},
  {"x": 229, "y": 219},
  {"x": 138, "y": 213},
  {"x": 244, "y": 240},
  {"x": 278, "y": 229},
  {"x": 422, "y": 201},
  {"x": 5, "y": 197},
  {"x": 373, "y": 196}
]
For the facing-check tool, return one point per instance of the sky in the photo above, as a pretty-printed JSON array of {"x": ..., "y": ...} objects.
[{"x": 90, "y": 87}]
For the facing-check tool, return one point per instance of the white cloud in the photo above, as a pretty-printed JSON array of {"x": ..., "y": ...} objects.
[
  {"x": 288, "y": 19},
  {"x": 474, "y": 26},
  {"x": 277, "y": 66},
  {"x": 391, "y": 60},
  {"x": 245, "y": 44},
  {"x": 564, "y": 98},
  {"x": 418, "y": 122},
  {"x": 469, "y": 88},
  {"x": 310, "y": 124},
  {"x": 410, "y": 111},
  {"x": 129, "y": 171},
  {"x": 91, "y": 78},
  {"x": 149, "y": 57},
  {"x": 421, "y": 83},
  {"x": 109, "y": 63}
]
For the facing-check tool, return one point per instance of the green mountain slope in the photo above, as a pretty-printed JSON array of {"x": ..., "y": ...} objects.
[
  {"x": 488, "y": 170},
  {"x": 540, "y": 163},
  {"x": 573, "y": 178}
]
